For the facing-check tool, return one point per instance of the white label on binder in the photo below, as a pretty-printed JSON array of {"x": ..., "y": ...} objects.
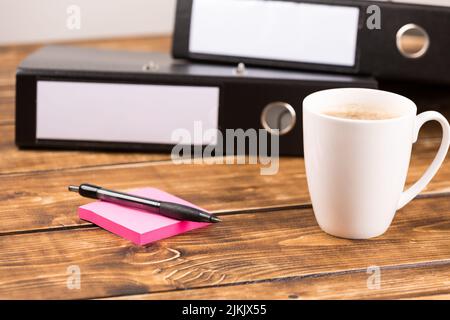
[
  {"x": 276, "y": 30},
  {"x": 115, "y": 112}
]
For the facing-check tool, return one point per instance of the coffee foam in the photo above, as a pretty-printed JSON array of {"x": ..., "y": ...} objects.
[{"x": 359, "y": 112}]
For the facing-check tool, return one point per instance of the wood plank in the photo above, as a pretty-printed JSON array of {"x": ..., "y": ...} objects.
[
  {"x": 7, "y": 107},
  {"x": 214, "y": 187},
  {"x": 27, "y": 206},
  {"x": 404, "y": 282},
  {"x": 244, "y": 247},
  {"x": 41, "y": 160},
  {"x": 432, "y": 297}
]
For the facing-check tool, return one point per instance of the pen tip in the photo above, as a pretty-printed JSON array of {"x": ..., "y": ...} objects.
[
  {"x": 215, "y": 219},
  {"x": 73, "y": 188}
]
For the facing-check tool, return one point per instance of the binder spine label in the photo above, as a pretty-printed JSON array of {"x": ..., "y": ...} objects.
[
  {"x": 275, "y": 30},
  {"x": 114, "y": 112}
]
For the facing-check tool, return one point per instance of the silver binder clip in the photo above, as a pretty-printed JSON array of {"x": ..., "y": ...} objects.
[
  {"x": 240, "y": 70},
  {"x": 150, "y": 66}
]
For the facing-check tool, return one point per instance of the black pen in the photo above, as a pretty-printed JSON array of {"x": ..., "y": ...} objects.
[{"x": 168, "y": 209}]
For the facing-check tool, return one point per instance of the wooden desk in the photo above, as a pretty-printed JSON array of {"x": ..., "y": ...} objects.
[{"x": 269, "y": 245}]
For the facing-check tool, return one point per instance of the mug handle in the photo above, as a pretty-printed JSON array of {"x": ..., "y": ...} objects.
[{"x": 414, "y": 190}]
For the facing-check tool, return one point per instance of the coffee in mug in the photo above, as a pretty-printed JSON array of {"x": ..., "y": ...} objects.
[{"x": 360, "y": 112}]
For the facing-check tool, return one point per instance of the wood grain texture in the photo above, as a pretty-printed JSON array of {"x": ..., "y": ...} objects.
[
  {"x": 29, "y": 206},
  {"x": 7, "y": 106},
  {"x": 244, "y": 248},
  {"x": 402, "y": 282},
  {"x": 431, "y": 297},
  {"x": 215, "y": 187}
]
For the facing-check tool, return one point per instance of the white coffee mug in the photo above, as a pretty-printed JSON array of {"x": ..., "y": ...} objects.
[{"x": 356, "y": 169}]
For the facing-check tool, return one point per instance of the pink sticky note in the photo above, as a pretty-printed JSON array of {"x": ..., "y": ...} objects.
[{"x": 137, "y": 225}]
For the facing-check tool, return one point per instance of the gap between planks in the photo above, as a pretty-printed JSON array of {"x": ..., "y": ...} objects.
[
  {"x": 262, "y": 210},
  {"x": 122, "y": 165}
]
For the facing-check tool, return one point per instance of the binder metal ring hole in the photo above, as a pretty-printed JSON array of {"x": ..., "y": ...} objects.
[
  {"x": 278, "y": 116},
  {"x": 412, "y": 41}
]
